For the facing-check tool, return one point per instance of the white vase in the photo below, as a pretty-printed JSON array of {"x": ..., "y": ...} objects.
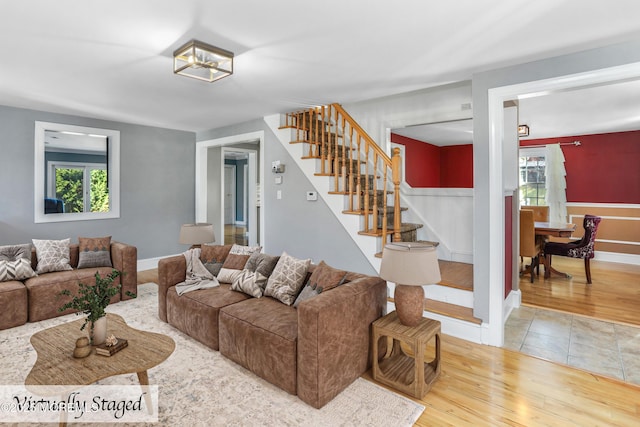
[{"x": 98, "y": 331}]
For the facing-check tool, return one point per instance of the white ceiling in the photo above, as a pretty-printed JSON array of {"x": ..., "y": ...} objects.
[{"x": 113, "y": 60}]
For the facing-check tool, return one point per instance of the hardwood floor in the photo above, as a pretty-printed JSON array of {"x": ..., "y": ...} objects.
[
  {"x": 489, "y": 386},
  {"x": 235, "y": 234},
  {"x": 614, "y": 294}
]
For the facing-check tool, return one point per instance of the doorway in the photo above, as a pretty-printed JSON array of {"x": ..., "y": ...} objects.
[
  {"x": 496, "y": 98},
  {"x": 210, "y": 184}
]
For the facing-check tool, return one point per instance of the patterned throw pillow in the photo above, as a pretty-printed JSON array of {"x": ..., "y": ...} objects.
[
  {"x": 19, "y": 269},
  {"x": 213, "y": 256},
  {"x": 94, "y": 252},
  {"x": 15, "y": 252},
  {"x": 53, "y": 255},
  {"x": 235, "y": 262},
  {"x": 250, "y": 282},
  {"x": 287, "y": 278},
  {"x": 262, "y": 263}
]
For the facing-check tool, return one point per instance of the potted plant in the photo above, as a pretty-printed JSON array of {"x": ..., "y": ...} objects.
[{"x": 92, "y": 301}]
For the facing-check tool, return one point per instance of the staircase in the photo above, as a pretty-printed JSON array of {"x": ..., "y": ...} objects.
[{"x": 341, "y": 159}]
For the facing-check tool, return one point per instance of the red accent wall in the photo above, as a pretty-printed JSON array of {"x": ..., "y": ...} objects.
[
  {"x": 456, "y": 166},
  {"x": 508, "y": 245},
  {"x": 430, "y": 166},
  {"x": 604, "y": 169}
]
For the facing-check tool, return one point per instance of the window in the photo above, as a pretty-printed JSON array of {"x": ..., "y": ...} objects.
[
  {"x": 532, "y": 168},
  {"x": 77, "y": 173},
  {"x": 82, "y": 187}
]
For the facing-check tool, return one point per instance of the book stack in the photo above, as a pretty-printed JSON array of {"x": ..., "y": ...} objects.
[{"x": 104, "y": 350}]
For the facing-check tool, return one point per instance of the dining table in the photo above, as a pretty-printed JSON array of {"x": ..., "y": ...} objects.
[{"x": 543, "y": 231}]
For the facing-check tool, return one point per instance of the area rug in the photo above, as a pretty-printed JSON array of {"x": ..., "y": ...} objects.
[{"x": 200, "y": 387}]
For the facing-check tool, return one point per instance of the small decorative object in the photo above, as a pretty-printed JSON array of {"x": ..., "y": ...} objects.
[
  {"x": 83, "y": 349},
  {"x": 109, "y": 350},
  {"x": 111, "y": 340},
  {"x": 410, "y": 265},
  {"x": 92, "y": 300}
]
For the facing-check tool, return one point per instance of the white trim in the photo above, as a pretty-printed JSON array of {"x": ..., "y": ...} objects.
[
  {"x": 245, "y": 193},
  {"x": 514, "y": 300},
  {"x": 496, "y": 98},
  {"x": 151, "y": 263},
  {"x": 617, "y": 257},
  {"x": 223, "y": 191},
  {"x": 113, "y": 175},
  {"x": 201, "y": 172},
  {"x": 603, "y": 205}
]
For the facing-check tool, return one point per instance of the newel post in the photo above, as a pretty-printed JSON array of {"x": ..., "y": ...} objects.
[{"x": 396, "y": 169}]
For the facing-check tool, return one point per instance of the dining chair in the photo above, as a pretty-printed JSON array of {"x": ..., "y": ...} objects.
[
  {"x": 529, "y": 245},
  {"x": 582, "y": 248},
  {"x": 540, "y": 213}
]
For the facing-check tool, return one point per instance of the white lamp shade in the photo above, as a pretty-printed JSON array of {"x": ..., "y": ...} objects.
[
  {"x": 196, "y": 234},
  {"x": 410, "y": 263}
]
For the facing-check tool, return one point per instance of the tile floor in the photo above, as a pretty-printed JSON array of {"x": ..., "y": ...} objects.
[{"x": 594, "y": 345}]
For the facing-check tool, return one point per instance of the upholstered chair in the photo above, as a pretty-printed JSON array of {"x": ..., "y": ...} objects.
[
  {"x": 529, "y": 245},
  {"x": 582, "y": 248}
]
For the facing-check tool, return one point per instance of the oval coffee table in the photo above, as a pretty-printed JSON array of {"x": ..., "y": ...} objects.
[{"x": 56, "y": 365}]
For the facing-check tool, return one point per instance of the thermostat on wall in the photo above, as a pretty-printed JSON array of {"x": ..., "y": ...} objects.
[{"x": 312, "y": 196}]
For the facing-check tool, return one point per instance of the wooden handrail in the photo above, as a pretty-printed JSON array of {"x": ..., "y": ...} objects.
[{"x": 343, "y": 147}]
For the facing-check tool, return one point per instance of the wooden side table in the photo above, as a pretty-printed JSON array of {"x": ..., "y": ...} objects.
[{"x": 409, "y": 374}]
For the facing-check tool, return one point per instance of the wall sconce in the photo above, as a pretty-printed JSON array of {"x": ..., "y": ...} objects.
[
  {"x": 523, "y": 130},
  {"x": 202, "y": 61}
]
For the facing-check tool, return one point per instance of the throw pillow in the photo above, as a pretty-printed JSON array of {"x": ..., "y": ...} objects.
[
  {"x": 235, "y": 262},
  {"x": 327, "y": 277},
  {"x": 94, "y": 252},
  {"x": 309, "y": 291},
  {"x": 262, "y": 263},
  {"x": 287, "y": 278},
  {"x": 250, "y": 282},
  {"x": 213, "y": 256},
  {"x": 53, "y": 255},
  {"x": 15, "y": 252},
  {"x": 18, "y": 269}
]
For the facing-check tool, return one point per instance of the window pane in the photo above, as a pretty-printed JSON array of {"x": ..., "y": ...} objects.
[
  {"x": 69, "y": 188},
  {"x": 99, "y": 191},
  {"x": 532, "y": 180}
]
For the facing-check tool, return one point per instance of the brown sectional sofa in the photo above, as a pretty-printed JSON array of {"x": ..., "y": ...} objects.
[
  {"x": 37, "y": 298},
  {"x": 313, "y": 351}
]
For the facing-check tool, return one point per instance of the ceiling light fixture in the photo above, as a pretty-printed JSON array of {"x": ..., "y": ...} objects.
[{"x": 202, "y": 61}]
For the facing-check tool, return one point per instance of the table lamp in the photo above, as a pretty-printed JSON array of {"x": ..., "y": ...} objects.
[
  {"x": 410, "y": 265},
  {"x": 196, "y": 234}
]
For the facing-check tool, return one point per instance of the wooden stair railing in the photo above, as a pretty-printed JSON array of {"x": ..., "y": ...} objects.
[{"x": 344, "y": 149}]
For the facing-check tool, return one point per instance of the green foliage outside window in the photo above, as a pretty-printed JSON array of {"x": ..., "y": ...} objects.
[
  {"x": 99, "y": 191},
  {"x": 70, "y": 189}
]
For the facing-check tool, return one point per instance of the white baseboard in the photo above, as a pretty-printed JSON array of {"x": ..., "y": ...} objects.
[
  {"x": 513, "y": 300},
  {"x": 151, "y": 263},
  {"x": 617, "y": 257}
]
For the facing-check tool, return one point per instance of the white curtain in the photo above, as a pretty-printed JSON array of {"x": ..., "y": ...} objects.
[{"x": 556, "y": 184}]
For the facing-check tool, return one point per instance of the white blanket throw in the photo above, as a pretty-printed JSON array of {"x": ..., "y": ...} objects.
[{"x": 198, "y": 277}]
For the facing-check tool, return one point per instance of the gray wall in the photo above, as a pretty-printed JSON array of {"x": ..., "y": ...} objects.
[
  {"x": 585, "y": 61},
  {"x": 303, "y": 229},
  {"x": 156, "y": 184}
]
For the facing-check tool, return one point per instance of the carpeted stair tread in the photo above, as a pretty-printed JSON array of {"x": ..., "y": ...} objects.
[
  {"x": 457, "y": 275},
  {"x": 404, "y": 227}
]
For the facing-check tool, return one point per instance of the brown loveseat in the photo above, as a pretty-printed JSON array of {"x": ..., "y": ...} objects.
[
  {"x": 313, "y": 351},
  {"x": 37, "y": 298}
]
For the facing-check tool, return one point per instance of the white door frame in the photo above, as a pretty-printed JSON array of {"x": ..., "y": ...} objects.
[
  {"x": 496, "y": 98},
  {"x": 202, "y": 148},
  {"x": 233, "y": 192}
]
